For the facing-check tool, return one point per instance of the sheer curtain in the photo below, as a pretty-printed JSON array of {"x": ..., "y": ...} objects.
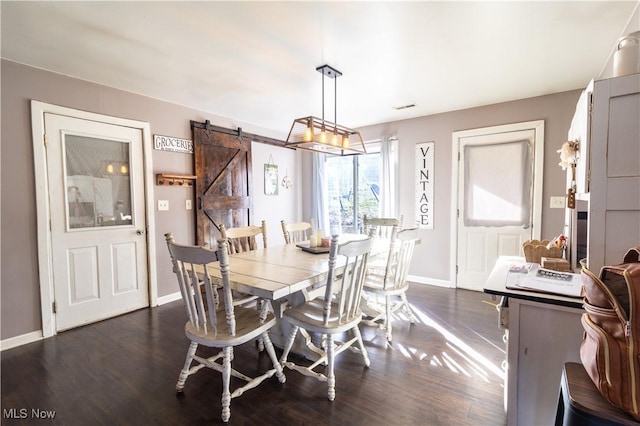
[
  {"x": 319, "y": 205},
  {"x": 389, "y": 188}
]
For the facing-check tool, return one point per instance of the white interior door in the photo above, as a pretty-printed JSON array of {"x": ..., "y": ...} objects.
[
  {"x": 97, "y": 210},
  {"x": 498, "y": 203}
]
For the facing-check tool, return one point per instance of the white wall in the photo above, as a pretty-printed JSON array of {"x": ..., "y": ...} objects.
[{"x": 287, "y": 204}]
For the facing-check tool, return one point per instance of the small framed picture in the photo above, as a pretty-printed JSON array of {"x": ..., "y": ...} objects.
[{"x": 270, "y": 179}]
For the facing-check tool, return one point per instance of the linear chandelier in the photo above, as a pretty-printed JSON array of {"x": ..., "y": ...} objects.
[{"x": 319, "y": 135}]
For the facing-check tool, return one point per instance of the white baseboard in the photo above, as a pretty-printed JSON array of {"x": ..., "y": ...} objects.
[
  {"x": 430, "y": 281},
  {"x": 23, "y": 339},
  {"x": 169, "y": 298},
  {"x": 34, "y": 336}
]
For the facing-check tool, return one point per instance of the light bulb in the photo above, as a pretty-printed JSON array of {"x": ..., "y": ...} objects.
[
  {"x": 110, "y": 168},
  {"x": 308, "y": 134},
  {"x": 323, "y": 135},
  {"x": 334, "y": 139},
  {"x": 124, "y": 169},
  {"x": 345, "y": 141}
]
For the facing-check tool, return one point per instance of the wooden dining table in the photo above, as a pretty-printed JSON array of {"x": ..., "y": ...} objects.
[{"x": 287, "y": 276}]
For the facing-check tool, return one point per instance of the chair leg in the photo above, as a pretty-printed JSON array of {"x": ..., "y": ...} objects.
[
  {"x": 412, "y": 319},
  {"x": 387, "y": 319},
  {"x": 363, "y": 350},
  {"x": 226, "y": 378},
  {"x": 263, "y": 307},
  {"x": 274, "y": 359},
  {"x": 184, "y": 373},
  {"x": 331, "y": 378},
  {"x": 289, "y": 344}
]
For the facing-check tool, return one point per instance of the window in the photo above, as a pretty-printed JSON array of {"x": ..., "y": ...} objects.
[{"x": 353, "y": 187}]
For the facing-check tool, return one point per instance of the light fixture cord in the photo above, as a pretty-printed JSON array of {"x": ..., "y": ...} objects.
[
  {"x": 335, "y": 100},
  {"x": 323, "y": 98}
]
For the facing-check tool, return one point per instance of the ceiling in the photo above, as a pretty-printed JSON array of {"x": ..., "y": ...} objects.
[{"x": 255, "y": 61}]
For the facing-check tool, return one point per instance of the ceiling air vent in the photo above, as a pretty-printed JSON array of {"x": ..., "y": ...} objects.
[{"x": 404, "y": 106}]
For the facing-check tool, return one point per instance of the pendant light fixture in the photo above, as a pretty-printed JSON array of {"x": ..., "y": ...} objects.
[{"x": 316, "y": 134}]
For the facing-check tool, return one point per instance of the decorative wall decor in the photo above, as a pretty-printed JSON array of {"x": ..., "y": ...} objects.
[
  {"x": 271, "y": 178},
  {"x": 424, "y": 184},
  {"x": 168, "y": 143},
  {"x": 286, "y": 180}
]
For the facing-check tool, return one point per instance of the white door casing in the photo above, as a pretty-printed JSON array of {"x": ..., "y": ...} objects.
[
  {"x": 95, "y": 272},
  {"x": 476, "y": 247}
]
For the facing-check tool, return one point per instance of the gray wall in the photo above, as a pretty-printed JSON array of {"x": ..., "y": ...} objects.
[
  {"x": 431, "y": 258},
  {"x": 20, "y": 301}
]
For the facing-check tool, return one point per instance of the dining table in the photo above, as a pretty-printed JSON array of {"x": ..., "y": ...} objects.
[{"x": 288, "y": 275}]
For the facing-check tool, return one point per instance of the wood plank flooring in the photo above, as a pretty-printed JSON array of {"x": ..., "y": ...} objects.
[{"x": 443, "y": 370}]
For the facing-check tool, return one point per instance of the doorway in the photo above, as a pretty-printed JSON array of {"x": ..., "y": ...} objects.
[
  {"x": 96, "y": 258},
  {"x": 497, "y": 205}
]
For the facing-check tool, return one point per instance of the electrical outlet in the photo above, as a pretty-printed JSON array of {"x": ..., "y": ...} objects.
[
  {"x": 187, "y": 204},
  {"x": 163, "y": 205},
  {"x": 557, "y": 203}
]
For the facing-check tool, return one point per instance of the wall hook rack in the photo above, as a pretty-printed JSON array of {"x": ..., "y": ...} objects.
[{"x": 166, "y": 179}]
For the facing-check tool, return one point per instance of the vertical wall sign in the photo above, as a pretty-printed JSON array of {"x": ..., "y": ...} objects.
[{"x": 424, "y": 185}]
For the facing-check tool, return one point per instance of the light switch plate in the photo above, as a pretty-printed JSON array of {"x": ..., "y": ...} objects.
[
  {"x": 557, "y": 203},
  {"x": 163, "y": 205},
  {"x": 187, "y": 204}
]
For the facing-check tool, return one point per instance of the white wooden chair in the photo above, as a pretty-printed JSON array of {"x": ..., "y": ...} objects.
[
  {"x": 338, "y": 312},
  {"x": 215, "y": 322},
  {"x": 296, "y": 232},
  {"x": 381, "y": 290},
  {"x": 380, "y": 227},
  {"x": 243, "y": 238}
]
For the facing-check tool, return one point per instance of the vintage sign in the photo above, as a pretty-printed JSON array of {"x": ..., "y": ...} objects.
[
  {"x": 424, "y": 184},
  {"x": 168, "y": 143}
]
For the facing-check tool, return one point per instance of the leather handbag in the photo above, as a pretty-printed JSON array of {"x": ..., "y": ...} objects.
[{"x": 611, "y": 343}]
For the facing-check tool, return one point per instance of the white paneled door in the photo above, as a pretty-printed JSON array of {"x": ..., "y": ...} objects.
[
  {"x": 497, "y": 204},
  {"x": 97, "y": 212}
]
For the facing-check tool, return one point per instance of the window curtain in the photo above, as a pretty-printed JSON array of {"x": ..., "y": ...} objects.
[
  {"x": 389, "y": 189},
  {"x": 497, "y": 193},
  {"x": 319, "y": 204}
]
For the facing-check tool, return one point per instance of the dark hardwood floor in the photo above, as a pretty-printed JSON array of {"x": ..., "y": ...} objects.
[{"x": 444, "y": 370}]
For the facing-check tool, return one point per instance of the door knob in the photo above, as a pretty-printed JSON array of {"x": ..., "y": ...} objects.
[
  {"x": 140, "y": 232},
  {"x": 525, "y": 226}
]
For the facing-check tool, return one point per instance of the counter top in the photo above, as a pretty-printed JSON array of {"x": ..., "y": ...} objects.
[{"x": 496, "y": 284}]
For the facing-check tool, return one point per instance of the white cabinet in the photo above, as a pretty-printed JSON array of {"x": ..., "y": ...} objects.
[
  {"x": 608, "y": 170},
  {"x": 544, "y": 332},
  {"x": 542, "y": 337}
]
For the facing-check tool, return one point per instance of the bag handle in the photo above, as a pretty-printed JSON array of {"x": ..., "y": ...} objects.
[{"x": 632, "y": 256}]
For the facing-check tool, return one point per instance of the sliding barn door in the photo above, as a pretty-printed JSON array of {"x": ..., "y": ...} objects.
[{"x": 223, "y": 181}]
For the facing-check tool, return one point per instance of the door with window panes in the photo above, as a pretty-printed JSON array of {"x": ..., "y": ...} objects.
[{"x": 98, "y": 219}]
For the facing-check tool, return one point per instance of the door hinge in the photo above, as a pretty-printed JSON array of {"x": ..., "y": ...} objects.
[
  {"x": 458, "y": 213},
  {"x": 456, "y": 269},
  {"x": 46, "y": 140},
  {"x": 54, "y": 307}
]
